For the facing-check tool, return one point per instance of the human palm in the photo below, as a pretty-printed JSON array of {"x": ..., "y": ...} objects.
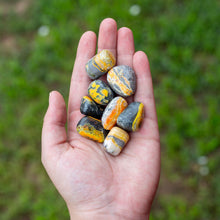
[{"x": 93, "y": 183}]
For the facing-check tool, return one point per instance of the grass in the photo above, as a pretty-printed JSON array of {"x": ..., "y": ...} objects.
[{"x": 181, "y": 39}]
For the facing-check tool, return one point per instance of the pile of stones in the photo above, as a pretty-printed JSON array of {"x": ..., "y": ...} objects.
[{"x": 108, "y": 117}]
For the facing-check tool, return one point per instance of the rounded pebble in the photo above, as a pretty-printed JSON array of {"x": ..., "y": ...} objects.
[
  {"x": 112, "y": 111},
  {"x": 100, "y": 92},
  {"x": 91, "y": 128},
  {"x": 115, "y": 141},
  {"x": 90, "y": 108},
  {"x": 122, "y": 80},
  {"x": 100, "y": 64},
  {"x": 130, "y": 119}
]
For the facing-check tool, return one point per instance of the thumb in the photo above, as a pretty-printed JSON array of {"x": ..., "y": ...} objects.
[{"x": 54, "y": 135}]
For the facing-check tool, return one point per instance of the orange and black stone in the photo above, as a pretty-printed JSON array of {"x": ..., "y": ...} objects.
[
  {"x": 100, "y": 64},
  {"x": 112, "y": 111},
  {"x": 91, "y": 128},
  {"x": 122, "y": 80}
]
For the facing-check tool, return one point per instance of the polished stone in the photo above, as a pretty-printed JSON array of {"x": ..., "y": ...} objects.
[
  {"x": 122, "y": 80},
  {"x": 115, "y": 141},
  {"x": 112, "y": 111},
  {"x": 100, "y": 92},
  {"x": 100, "y": 64},
  {"x": 91, "y": 128},
  {"x": 90, "y": 108},
  {"x": 130, "y": 119}
]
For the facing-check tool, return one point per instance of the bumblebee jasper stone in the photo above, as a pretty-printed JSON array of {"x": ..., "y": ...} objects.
[
  {"x": 90, "y": 108},
  {"x": 91, "y": 128},
  {"x": 112, "y": 111},
  {"x": 130, "y": 119},
  {"x": 122, "y": 80},
  {"x": 100, "y": 92},
  {"x": 100, "y": 64},
  {"x": 115, "y": 141}
]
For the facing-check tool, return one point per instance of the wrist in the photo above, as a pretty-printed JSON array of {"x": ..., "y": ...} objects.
[{"x": 99, "y": 215}]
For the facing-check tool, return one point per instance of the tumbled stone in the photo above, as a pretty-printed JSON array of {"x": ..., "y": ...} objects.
[
  {"x": 122, "y": 80},
  {"x": 100, "y": 64},
  {"x": 112, "y": 111},
  {"x": 130, "y": 119},
  {"x": 115, "y": 141},
  {"x": 100, "y": 92},
  {"x": 91, "y": 128},
  {"x": 90, "y": 108}
]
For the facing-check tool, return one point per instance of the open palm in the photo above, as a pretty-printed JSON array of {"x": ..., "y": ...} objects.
[{"x": 93, "y": 183}]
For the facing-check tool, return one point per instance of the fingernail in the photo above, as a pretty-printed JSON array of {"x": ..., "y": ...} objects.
[{"x": 50, "y": 95}]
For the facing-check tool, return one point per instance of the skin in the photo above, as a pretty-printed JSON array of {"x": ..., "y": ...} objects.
[{"x": 94, "y": 184}]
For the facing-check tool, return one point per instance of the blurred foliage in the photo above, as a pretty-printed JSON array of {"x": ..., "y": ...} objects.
[{"x": 181, "y": 39}]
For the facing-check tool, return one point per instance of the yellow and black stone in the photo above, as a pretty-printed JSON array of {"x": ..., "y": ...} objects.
[
  {"x": 131, "y": 118},
  {"x": 122, "y": 80},
  {"x": 90, "y": 108},
  {"x": 100, "y": 92},
  {"x": 91, "y": 128},
  {"x": 100, "y": 64},
  {"x": 115, "y": 141}
]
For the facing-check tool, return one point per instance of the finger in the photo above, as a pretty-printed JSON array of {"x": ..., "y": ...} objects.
[
  {"x": 54, "y": 132},
  {"x": 145, "y": 143},
  {"x": 108, "y": 35},
  {"x": 125, "y": 47},
  {"x": 144, "y": 92},
  {"x": 80, "y": 80},
  {"x": 125, "y": 50}
]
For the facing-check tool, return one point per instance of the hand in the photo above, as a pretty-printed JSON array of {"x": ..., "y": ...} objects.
[{"x": 96, "y": 185}]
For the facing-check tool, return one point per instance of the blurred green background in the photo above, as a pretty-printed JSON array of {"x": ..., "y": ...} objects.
[{"x": 38, "y": 41}]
